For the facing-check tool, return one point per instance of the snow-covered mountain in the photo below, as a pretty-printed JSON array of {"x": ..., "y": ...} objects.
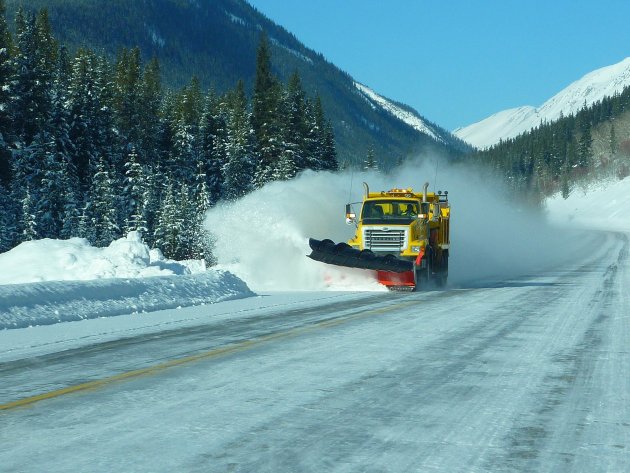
[
  {"x": 591, "y": 88},
  {"x": 407, "y": 116}
]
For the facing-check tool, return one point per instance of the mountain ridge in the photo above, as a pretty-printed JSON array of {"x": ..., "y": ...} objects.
[
  {"x": 217, "y": 42},
  {"x": 509, "y": 123}
]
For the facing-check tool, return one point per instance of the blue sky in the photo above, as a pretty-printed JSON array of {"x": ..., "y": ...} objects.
[{"x": 458, "y": 61}]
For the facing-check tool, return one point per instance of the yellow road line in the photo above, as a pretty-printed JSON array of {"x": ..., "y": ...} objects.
[{"x": 214, "y": 353}]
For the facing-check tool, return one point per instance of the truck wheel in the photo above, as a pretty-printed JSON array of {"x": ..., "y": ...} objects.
[
  {"x": 423, "y": 275},
  {"x": 441, "y": 275}
]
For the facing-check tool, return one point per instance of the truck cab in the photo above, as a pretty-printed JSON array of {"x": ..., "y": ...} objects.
[{"x": 408, "y": 225}]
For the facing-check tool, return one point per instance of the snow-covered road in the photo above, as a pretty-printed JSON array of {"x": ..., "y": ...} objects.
[{"x": 530, "y": 374}]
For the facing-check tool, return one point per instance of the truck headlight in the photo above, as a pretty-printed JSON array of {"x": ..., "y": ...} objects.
[{"x": 415, "y": 249}]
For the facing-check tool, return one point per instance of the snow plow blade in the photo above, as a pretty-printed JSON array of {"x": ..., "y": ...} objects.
[{"x": 342, "y": 254}]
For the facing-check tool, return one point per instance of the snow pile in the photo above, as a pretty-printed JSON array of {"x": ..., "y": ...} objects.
[
  {"x": 594, "y": 86},
  {"x": 604, "y": 208},
  {"x": 76, "y": 260},
  {"x": 25, "y": 305},
  {"x": 48, "y": 281}
]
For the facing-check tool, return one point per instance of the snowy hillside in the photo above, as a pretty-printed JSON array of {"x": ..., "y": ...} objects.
[
  {"x": 406, "y": 116},
  {"x": 591, "y": 88}
]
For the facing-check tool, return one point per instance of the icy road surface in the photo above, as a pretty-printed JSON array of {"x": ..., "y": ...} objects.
[{"x": 531, "y": 374}]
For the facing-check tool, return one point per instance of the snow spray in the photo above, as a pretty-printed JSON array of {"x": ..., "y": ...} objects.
[{"x": 263, "y": 237}]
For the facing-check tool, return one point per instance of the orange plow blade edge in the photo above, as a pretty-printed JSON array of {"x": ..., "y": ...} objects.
[{"x": 392, "y": 280}]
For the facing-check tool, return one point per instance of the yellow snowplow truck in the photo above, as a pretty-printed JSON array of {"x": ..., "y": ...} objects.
[{"x": 400, "y": 234}]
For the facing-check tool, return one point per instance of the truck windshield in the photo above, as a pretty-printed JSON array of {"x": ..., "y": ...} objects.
[{"x": 401, "y": 211}]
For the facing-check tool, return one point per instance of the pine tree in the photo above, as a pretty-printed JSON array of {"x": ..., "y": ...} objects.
[
  {"x": 239, "y": 169},
  {"x": 133, "y": 195},
  {"x": 286, "y": 168},
  {"x": 370, "y": 161},
  {"x": 8, "y": 218},
  {"x": 7, "y": 74},
  {"x": 266, "y": 117},
  {"x": 201, "y": 242},
  {"x": 86, "y": 228},
  {"x": 585, "y": 142},
  {"x": 296, "y": 127},
  {"x": 213, "y": 136},
  {"x": 127, "y": 95},
  {"x": 29, "y": 217},
  {"x": 84, "y": 100},
  {"x": 612, "y": 141},
  {"x": 321, "y": 141},
  {"x": 329, "y": 155},
  {"x": 150, "y": 103},
  {"x": 168, "y": 228},
  {"x": 186, "y": 144},
  {"x": 51, "y": 203},
  {"x": 104, "y": 217},
  {"x": 31, "y": 93},
  {"x": 151, "y": 199},
  {"x": 71, "y": 198},
  {"x": 60, "y": 113}
]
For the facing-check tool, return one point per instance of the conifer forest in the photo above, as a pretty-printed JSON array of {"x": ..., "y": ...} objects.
[{"x": 94, "y": 147}]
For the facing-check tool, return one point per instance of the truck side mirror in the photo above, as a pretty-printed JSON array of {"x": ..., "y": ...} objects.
[{"x": 351, "y": 217}]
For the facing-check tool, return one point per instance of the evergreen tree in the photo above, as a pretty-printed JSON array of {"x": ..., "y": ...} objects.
[
  {"x": 370, "y": 161},
  {"x": 186, "y": 144},
  {"x": 213, "y": 136},
  {"x": 585, "y": 142},
  {"x": 70, "y": 199},
  {"x": 201, "y": 241},
  {"x": 7, "y": 74},
  {"x": 133, "y": 195},
  {"x": 321, "y": 139},
  {"x": 150, "y": 103},
  {"x": 612, "y": 141},
  {"x": 168, "y": 226},
  {"x": 86, "y": 229},
  {"x": 286, "y": 168},
  {"x": 266, "y": 117},
  {"x": 329, "y": 154},
  {"x": 151, "y": 199},
  {"x": 31, "y": 94},
  {"x": 296, "y": 128},
  {"x": 85, "y": 100},
  {"x": 186, "y": 214},
  {"x": 239, "y": 168},
  {"x": 51, "y": 204},
  {"x": 104, "y": 218},
  {"x": 127, "y": 95},
  {"x": 29, "y": 217},
  {"x": 46, "y": 43},
  {"x": 8, "y": 218}
]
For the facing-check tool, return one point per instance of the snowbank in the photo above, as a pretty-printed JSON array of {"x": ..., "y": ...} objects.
[
  {"x": 76, "y": 260},
  {"x": 48, "y": 281},
  {"x": 603, "y": 208},
  {"x": 46, "y": 303}
]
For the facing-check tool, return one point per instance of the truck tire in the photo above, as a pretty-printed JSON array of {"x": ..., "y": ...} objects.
[{"x": 441, "y": 275}]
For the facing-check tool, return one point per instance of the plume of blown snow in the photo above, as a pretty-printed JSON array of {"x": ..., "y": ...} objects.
[
  {"x": 492, "y": 237},
  {"x": 263, "y": 237}
]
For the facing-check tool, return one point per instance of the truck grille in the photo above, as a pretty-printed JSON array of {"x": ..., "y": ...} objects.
[{"x": 378, "y": 239}]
